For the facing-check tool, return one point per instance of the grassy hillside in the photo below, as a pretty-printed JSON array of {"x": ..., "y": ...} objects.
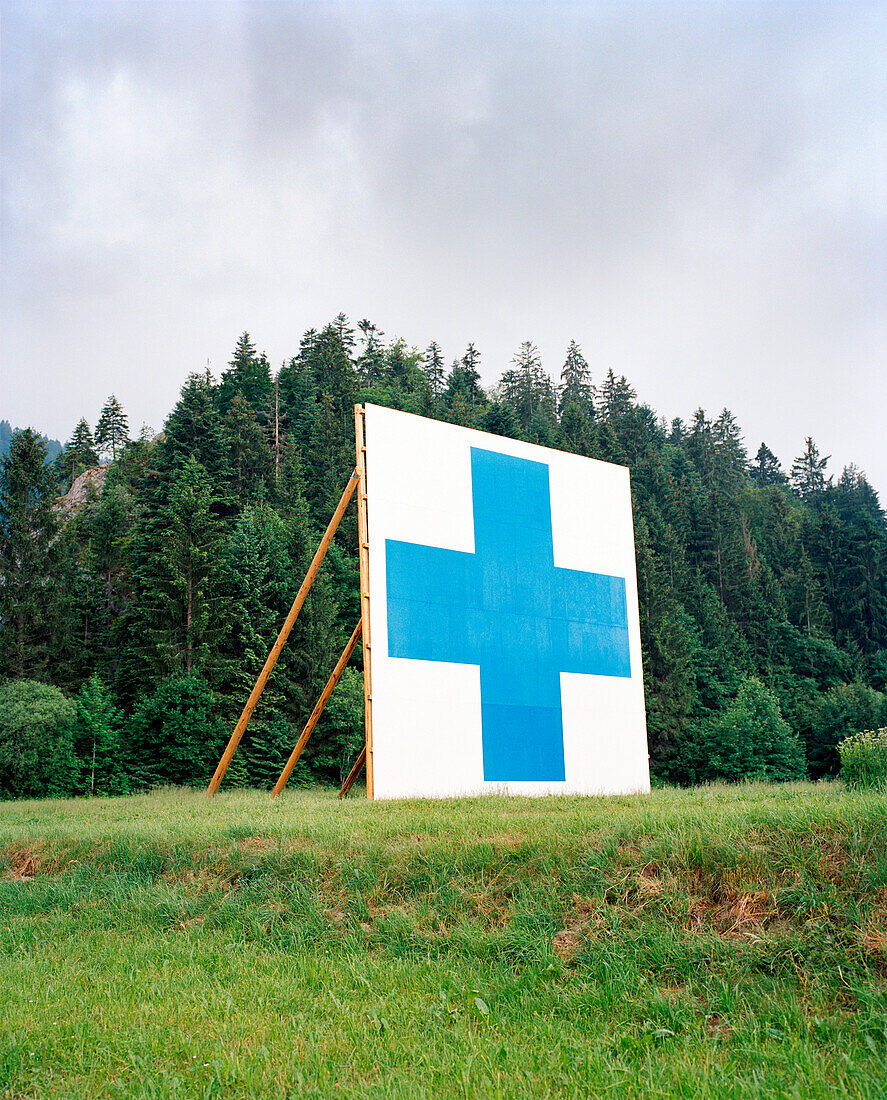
[{"x": 717, "y": 942}]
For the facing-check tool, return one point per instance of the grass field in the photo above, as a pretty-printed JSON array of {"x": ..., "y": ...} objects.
[{"x": 727, "y": 942}]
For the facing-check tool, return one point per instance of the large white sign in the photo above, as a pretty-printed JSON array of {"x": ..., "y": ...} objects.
[{"x": 506, "y": 650}]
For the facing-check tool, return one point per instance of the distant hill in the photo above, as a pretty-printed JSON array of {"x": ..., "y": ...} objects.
[{"x": 53, "y": 447}]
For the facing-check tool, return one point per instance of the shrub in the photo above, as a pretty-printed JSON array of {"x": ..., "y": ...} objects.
[
  {"x": 177, "y": 733},
  {"x": 37, "y": 758},
  {"x": 749, "y": 740},
  {"x": 96, "y": 732},
  {"x": 840, "y": 712},
  {"x": 864, "y": 759}
]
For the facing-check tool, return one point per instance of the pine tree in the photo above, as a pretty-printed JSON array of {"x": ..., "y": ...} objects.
[
  {"x": 328, "y": 444},
  {"x": 298, "y": 401},
  {"x": 616, "y": 395},
  {"x": 97, "y": 539},
  {"x": 342, "y": 327},
  {"x": 575, "y": 385},
  {"x": 471, "y": 376},
  {"x": 528, "y": 389},
  {"x": 112, "y": 430},
  {"x": 501, "y": 420},
  {"x": 194, "y": 429},
  {"x": 767, "y": 469},
  {"x": 80, "y": 452},
  {"x": 176, "y": 621},
  {"x": 808, "y": 476},
  {"x": 258, "y": 576},
  {"x": 371, "y": 364},
  {"x": 730, "y": 449},
  {"x": 277, "y": 423},
  {"x": 249, "y": 375},
  {"x": 249, "y": 456},
  {"x": 576, "y": 429},
  {"x": 861, "y": 566},
  {"x": 29, "y": 558},
  {"x": 96, "y": 732},
  {"x": 434, "y": 369}
]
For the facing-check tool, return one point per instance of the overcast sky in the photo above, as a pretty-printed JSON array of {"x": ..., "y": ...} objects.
[{"x": 695, "y": 192}]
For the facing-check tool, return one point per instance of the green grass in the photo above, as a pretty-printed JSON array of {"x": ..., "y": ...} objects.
[{"x": 727, "y": 942}]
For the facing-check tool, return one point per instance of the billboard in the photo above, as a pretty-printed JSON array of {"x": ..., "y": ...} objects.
[{"x": 506, "y": 652}]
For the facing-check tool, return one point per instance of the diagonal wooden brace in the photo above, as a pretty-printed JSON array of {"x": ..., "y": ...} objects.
[
  {"x": 354, "y": 773},
  {"x": 243, "y": 721},
  {"x": 316, "y": 713}
]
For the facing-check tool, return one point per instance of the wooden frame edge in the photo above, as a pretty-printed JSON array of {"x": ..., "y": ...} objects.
[{"x": 364, "y": 561}]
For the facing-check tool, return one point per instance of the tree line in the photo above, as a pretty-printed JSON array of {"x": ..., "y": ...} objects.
[{"x": 144, "y": 616}]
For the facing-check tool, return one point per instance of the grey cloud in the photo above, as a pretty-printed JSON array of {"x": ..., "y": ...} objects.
[{"x": 695, "y": 192}]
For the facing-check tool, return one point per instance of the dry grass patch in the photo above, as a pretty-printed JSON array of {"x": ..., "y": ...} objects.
[
  {"x": 24, "y": 860},
  {"x": 509, "y": 841},
  {"x": 256, "y": 843},
  {"x": 649, "y": 882},
  {"x": 583, "y": 921},
  {"x": 874, "y": 933}
]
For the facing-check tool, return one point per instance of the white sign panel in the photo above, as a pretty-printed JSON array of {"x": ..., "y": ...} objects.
[{"x": 506, "y": 650}]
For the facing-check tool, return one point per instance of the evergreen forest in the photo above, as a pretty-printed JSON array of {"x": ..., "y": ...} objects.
[{"x": 133, "y": 626}]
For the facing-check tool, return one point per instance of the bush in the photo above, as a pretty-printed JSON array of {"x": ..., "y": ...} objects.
[
  {"x": 864, "y": 760},
  {"x": 749, "y": 740},
  {"x": 840, "y": 712},
  {"x": 178, "y": 735},
  {"x": 37, "y": 758},
  {"x": 96, "y": 732}
]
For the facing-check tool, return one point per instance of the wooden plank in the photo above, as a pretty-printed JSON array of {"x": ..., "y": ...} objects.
[
  {"x": 354, "y": 773},
  {"x": 364, "y": 559},
  {"x": 316, "y": 713},
  {"x": 282, "y": 637}
]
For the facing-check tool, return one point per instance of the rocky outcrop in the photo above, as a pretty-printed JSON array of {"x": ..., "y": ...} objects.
[{"x": 83, "y": 488}]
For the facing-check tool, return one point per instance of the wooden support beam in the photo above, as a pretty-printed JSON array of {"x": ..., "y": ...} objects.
[
  {"x": 316, "y": 713},
  {"x": 354, "y": 773},
  {"x": 364, "y": 560},
  {"x": 282, "y": 636}
]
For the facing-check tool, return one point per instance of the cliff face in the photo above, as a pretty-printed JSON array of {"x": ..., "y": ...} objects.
[{"x": 84, "y": 486}]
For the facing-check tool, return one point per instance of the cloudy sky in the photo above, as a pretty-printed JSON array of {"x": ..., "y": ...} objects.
[{"x": 695, "y": 192}]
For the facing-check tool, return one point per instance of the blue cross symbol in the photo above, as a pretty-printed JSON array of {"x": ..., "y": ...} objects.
[{"x": 510, "y": 610}]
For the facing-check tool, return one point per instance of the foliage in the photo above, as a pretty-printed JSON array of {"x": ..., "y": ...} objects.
[
  {"x": 37, "y": 758},
  {"x": 96, "y": 732},
  {"x": 749, "y": 740},
  {"x": 575, "y": 385},
  {"x": 529, "y": 390},
  {"x": 864, "y": 759},
  {"x": 339, "y": 737},
  {"x": 189, "y": 559},
  {"x": 177, "y": 734},
  {"x": 808, "y": 475},
  {"x": 53, "y": 447},
  {"x": 112, "y": 429},
  {"x": 179, "y": 580},
  {"x": 80, "y": 452},
  {"x": 434, "y": 368},
  {"x": 767, "y": 469},
  {"x": 835, "y": 714},
  {"x": 29, "y": 558}
]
